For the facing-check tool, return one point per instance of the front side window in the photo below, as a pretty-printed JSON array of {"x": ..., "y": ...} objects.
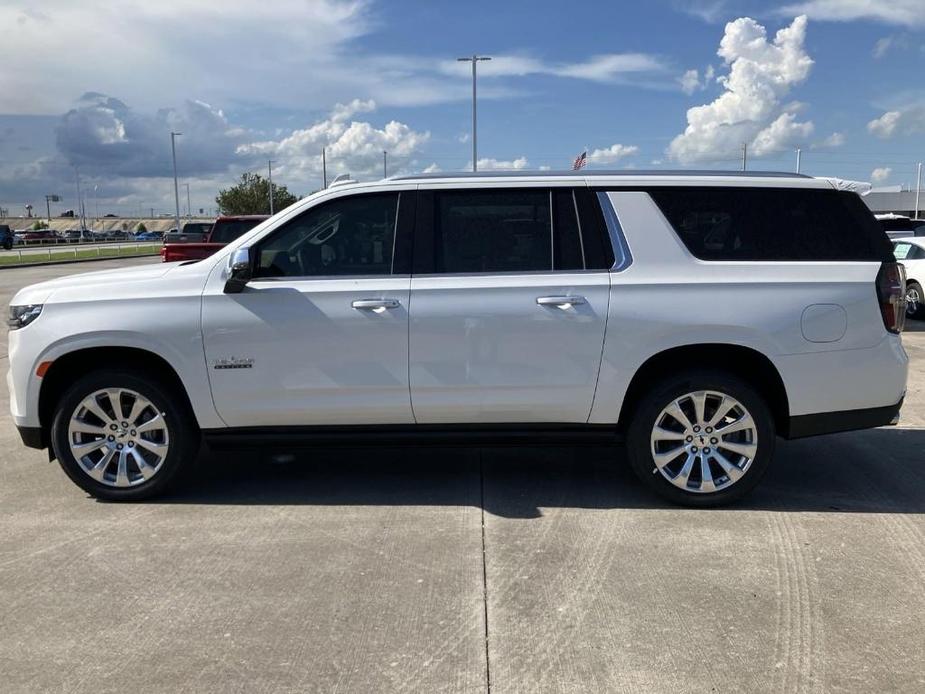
[{"x": 348, "y": 236}]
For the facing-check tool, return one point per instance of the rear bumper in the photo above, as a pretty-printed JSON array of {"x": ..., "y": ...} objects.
[{"x": 805, "y": 425}]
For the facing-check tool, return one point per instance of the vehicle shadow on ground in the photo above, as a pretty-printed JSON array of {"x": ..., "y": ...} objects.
[{"x": 876, "y": 471}]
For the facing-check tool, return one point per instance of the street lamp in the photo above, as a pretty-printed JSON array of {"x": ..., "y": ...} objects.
[
  {"x": 176, "y": 187},
  {"x": 474, "y": 59},
  {"x": 48, "y": 200}
]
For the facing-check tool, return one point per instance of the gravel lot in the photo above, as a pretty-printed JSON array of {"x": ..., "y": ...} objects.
[{"x": 385, "y": 570}]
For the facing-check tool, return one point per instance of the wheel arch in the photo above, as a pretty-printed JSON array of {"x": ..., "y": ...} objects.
[
  {"x": 744, "y": 362},
  {"x": 66, "y": 369}
]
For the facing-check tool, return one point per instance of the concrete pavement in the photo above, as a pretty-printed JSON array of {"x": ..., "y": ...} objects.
[{"x": 360, "y": 571}]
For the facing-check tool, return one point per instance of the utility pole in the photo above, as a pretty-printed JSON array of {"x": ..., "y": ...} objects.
[
  {"x": 79, "y": 208},
  {"x": 324, "y": 169},
  {"x": 918, "y": 189},
  {"x": 799, "y": 153},
  {"x": 474, "y": 59},
  {"x": 744, "y": 156},
  {"x": 270, "y": 181},
  {"x": 385, "y": 167},
  {"x": 176, "y": 187}
]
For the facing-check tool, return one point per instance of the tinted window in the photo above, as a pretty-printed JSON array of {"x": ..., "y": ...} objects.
[
  {"x": 493, "y": 231},
  {"x": 772, "y": 224},
  {"x": 347, "y": 236},
  {"x": 228, "y": 231}
]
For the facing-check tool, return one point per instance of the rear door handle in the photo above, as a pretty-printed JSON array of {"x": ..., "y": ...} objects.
[
  {"x": 561, "y": 301},
  {"x": 375, "y": 304}
]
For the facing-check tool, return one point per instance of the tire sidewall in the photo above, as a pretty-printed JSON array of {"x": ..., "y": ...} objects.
[
  {"x": 652, "y": 404},
  {"x": 179, "y": 427}
]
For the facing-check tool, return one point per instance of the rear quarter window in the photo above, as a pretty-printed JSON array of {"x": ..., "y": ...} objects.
[{"x": 782, "y": 224}]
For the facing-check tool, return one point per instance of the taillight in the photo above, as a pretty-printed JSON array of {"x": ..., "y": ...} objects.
[{"x": 891, "y": 293}]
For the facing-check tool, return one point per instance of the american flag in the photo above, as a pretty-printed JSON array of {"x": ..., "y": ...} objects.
[{"x": 580, "y": 161}]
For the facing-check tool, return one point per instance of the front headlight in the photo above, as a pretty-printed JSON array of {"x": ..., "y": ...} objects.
[{"x": 21, "y": 316}]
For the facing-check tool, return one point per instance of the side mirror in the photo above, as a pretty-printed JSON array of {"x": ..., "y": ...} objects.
[{"x": 239, "y": 271}]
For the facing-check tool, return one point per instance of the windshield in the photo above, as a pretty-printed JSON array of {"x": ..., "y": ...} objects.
[{"x": 228, "y": 231}]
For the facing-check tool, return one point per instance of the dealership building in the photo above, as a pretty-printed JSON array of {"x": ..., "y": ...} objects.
[{"x": 896, "y": 199}]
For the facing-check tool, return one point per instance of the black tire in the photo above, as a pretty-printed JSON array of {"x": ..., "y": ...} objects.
[
  {"x": 183, "y": 434},
  {"x": 647, "y": 414},
  {"x": 8, "y": 245},
  {"x": 915, "y": 309}
]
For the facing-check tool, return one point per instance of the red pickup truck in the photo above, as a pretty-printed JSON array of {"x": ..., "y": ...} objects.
[{"x": 224, "y": 231}]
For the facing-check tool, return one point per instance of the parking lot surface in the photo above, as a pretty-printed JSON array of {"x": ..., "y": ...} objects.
[{"x": 424, "y": 569}]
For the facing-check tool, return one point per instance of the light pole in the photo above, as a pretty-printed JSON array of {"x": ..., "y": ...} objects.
[
  {"x": 189, "y": 210},
  {"x": 799, "y": 158},
  {"x": 270, "y": 182},
  {"x": 80, "y": 217},
  {"x": 474, "y": 59},
  {"x": 918, "y": 189},
  {"x": 48, "y": 200},
  {"x": 176, "y": 187},
  {"x": 385, "y": 166}
]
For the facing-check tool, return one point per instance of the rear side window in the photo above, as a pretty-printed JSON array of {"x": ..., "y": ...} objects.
[
  {"x": 773, "y": 224},
  {"x": 500, "y": 230},
  {"x": 493, "y": 231}
]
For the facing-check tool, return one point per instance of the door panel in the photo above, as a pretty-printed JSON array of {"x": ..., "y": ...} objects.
[
  {"x": 316, "y": 359},
  {"x": 482, "y": 349}
]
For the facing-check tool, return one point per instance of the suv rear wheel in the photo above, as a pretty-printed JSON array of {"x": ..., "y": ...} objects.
[
  {"x": 702, "y": 438},
  {"x": 121, "y": 436}
]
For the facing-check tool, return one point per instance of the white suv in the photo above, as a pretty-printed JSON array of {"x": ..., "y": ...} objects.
[{"x": 696, "y": 316}]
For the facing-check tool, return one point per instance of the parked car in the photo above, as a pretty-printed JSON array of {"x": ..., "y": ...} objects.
[
  {"x": 696, "y": 317},
  {"x": 149, "y": 236},
  {"x": 193, "y": 232},
  {"x": 898, "y": 226},
  {"x": 911, "y": 253},
  {"x": 223, "y": 231},
  {"x": 40, "y": 236},
  {"x": 6, "y": 236}
]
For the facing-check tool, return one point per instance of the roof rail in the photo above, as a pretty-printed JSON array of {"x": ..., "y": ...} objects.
[{"x": 585, "y": 173}]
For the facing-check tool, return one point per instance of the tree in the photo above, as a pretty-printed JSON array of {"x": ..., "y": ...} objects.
[
  {"x": 141, "y": 228},
  {"x": 251, "y": 196},
  {"x": 39, "y": 226}
]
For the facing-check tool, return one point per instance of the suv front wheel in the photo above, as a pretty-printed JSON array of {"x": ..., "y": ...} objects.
[
  {"x": 702, "y": 438},
  {"x": 121, "y": 436}
]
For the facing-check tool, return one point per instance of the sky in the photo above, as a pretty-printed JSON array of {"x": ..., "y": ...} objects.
[{"x": 96, "y": 88}]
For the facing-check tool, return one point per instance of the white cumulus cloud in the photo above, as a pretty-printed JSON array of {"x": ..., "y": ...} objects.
[
  {"x": 908, "y": 120},
  {"x": 880, "y": 174},
  {"x": 491, "y": 164},
  {"x": 750, "y": 109},
  {"x": 351, "y": 146},
  {"x": 612, "y": 154}
]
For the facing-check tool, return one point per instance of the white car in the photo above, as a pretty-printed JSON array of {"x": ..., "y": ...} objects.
[
  {"x": 911, "y": 253},
  {"x": 696, "y": 316}
]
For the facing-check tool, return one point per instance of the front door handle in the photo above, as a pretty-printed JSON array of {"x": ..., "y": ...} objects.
[
  {"x": 561, "y": 301},
  {"x": 375, "y": 304}
]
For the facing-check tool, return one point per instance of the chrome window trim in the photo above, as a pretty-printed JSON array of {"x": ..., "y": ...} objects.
[{"x": 623, "y": 258}]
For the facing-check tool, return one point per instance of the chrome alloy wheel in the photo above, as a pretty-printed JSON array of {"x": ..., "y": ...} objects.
[
  {"x": 118, "y": 437},
  {"x": 703, "y": 441},
  {"x": 913, "y": 301}
]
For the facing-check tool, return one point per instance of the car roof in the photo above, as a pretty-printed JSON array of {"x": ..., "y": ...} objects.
[{"x": 236, "y": 218}]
